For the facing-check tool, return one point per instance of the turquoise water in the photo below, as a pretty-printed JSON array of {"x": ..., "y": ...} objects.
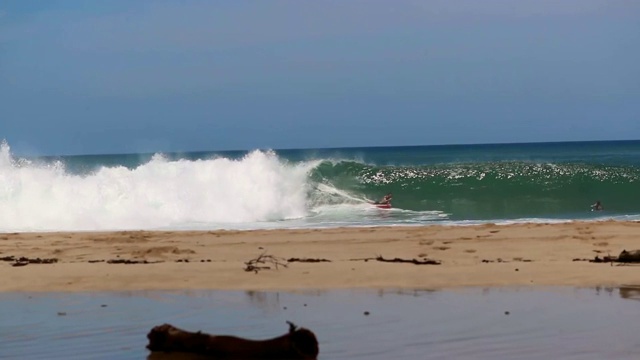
[
  {"x": 458, "y": 184},
  {"x": 496, "y": 324}
]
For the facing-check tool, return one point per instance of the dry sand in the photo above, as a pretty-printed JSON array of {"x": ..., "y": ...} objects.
[{"x": 483, "y": 255}]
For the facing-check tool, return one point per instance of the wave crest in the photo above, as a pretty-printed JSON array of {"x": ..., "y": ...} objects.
[{"x": 159, "y": 193}]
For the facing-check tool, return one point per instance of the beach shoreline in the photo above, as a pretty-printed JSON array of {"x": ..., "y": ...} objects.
[{"x": 486, "y": 255}]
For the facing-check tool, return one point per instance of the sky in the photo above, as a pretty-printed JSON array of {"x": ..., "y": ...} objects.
[{"x": 95, "y": 77}]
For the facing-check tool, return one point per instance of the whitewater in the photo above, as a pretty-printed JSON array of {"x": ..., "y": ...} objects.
[
  {"x": 258, "y": 190},
  {"x": 157, "y": 194},
  {"x": 262, "y": 189}
]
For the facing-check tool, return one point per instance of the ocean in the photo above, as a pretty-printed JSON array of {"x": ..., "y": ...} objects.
[{"x": 264, "y": 189}]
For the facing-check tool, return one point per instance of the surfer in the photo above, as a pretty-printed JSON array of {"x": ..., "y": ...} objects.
[
  {"x": 597, "y": 206},
  {"x": 385, "y": 200}
]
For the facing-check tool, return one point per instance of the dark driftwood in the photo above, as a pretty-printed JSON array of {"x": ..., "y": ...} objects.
[
  {"x": 298, "y": 343},
  {"x": 625, "y": 256},
  {"x": 632, "y": 256}
]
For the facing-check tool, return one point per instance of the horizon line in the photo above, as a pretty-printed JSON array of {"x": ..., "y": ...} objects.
[{"x": 330, "y": 148}]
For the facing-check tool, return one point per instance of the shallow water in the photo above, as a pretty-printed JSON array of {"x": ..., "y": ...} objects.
[{"x": 541, "y": 323}]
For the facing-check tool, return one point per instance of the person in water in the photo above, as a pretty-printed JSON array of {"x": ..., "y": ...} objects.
[
  {"x": 385, "y": 199},
  {"x": 597, "y": 206}
]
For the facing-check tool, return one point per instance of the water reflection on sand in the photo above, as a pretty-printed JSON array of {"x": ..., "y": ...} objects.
[{"x": 491, "y": 323}]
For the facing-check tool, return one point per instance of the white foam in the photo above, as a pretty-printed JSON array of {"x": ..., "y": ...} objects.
[{"x": 158, "y": 194}]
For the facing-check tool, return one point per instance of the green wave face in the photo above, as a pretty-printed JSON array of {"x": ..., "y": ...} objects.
[{"x": 491, "y": 190}]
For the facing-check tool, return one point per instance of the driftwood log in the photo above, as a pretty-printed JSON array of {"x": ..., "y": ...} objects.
[
  {"x": 632, "y": 256},
  {"x": 625, "y": 256},
  {"x": 298, "y": 343}
]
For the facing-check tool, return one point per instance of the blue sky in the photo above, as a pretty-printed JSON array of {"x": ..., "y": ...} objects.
[{"x": 82, "y": 77}]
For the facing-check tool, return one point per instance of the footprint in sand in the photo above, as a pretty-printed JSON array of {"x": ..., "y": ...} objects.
[
  {"x": 426, "y": 242},
  {"x": 604, "y": 243},
  {"x": 585, "y": 231},
  {"x": 470, "y": 251},
  {"x": 441, "y": 248}
]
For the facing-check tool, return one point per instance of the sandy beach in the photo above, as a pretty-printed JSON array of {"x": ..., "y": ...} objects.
[{"x": 482, "y": 255}]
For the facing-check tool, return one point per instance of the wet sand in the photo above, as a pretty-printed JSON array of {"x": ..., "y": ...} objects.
[
  {"x": 508, "y": 323},
  {"x": 483, "y": 255}
]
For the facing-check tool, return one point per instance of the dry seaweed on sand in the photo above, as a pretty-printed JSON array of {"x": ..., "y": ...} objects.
[
  {"x": 23, "y": 261},
  {"x": 307, "y": 260},
  {"x": 264, "y": 262},
  {"x": 401, "y": 260},
  {"x": 409, "y": 261}
]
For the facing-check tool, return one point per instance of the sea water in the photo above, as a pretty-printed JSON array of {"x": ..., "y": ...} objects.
[{"x": 264, "y": 188}]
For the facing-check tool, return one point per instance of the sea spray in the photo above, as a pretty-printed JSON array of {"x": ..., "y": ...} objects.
[{"x": 157, "y": 194}]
